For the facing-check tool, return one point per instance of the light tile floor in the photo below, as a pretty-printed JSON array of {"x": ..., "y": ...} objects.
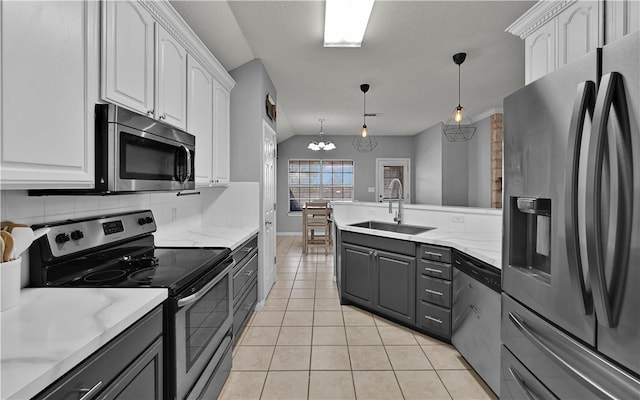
[{"x": 304, "y": 345}]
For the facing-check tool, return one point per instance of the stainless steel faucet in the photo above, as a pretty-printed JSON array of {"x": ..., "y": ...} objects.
[{"x": 398, "y": 217}]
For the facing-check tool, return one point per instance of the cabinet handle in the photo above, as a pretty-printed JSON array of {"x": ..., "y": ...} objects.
[
  {"x": 433, "y": 319},
  {"x": 249, "y": 273},
  {"x": 163, "y": 116},
  {"x": 431, "y": 253},
  {"x": 433, "y": 270},
  {"x": 88, "y": 393},
  {"x": 150, "y": 112},
  {"x": 433, "y": 292},
  {"x": 375, "y": 254},
  {"x": 370, "y": 252}
]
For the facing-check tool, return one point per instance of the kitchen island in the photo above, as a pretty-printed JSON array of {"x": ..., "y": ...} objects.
[{"x": 54, "y": 329}]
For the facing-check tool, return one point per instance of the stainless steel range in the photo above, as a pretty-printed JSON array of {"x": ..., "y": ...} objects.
[{"x": 118, "y": 251}]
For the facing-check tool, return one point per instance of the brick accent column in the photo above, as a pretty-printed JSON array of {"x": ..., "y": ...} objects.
[{"x": 496, "y": 160}]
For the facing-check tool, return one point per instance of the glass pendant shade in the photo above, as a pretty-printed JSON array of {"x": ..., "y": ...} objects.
[
  {"x": 459, "y": 127},
  {"x": 321, "y": 144}
]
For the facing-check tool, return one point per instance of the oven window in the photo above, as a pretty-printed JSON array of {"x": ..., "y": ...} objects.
[
  {"x": 205, "y": 318},
  {"x": 143, "y": 158}
]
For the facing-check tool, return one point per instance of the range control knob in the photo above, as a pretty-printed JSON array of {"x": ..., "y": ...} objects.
[
  {"x": 77, "y": 235},
  {"x": 148, "y": 220},
  {"x": 62, "y": 238},
  {"x": 141, "y": 221}
]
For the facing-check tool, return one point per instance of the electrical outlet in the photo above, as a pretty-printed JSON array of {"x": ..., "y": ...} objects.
[
  {"x": 457, "y": 219},
  {"x": 174, "y": 213}
]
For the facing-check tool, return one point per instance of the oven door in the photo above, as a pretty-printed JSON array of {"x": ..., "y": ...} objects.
[
  {"x": 202, "y": 320},
  {"x": 145, "y": 161}
]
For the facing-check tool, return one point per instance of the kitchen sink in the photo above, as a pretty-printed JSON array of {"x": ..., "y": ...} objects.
[{"x": 392, "y": 227}]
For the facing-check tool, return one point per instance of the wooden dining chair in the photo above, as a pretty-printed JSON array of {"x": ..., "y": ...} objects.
[{"x": 316, "y": 225}]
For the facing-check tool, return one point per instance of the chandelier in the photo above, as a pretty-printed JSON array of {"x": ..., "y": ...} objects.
[{"x": 321, "y": 144}]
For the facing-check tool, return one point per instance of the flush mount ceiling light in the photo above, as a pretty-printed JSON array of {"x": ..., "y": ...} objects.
[
  {"x": 364, "y": 142},
  {"x": 321, "y": 144},
  {"x": 345, "y": 22},
  {"x": 459, "y": 127}
]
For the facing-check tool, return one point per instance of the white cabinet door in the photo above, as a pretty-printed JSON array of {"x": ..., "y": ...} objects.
[
  {"x": 49, "y": 87},
  {"x": 128, "y": 56},
  {"x": 200, "y": 118},
  {"x": 622, "y": 18},
  {"x": 221, "y": 135},
  {"x": 540, "y": 52},
  {"x": 577, "y": 31},
  {"x": 171, "y": 91}
]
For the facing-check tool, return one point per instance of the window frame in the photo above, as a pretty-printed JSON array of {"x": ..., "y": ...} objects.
[{"x": 320, "y": 186}]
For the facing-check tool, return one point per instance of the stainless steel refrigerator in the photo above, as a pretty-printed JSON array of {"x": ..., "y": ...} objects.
[{"x": 571, "y": 248}]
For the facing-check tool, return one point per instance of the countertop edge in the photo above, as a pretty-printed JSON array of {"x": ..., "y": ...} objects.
[
  {"x": 422, "y": 239},
  {"x": 62, "y": 367}
]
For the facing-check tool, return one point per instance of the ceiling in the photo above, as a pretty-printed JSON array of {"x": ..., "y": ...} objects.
[{"x": 406, "y": 57}]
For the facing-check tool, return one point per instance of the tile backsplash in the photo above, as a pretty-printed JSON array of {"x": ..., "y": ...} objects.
[{"x": 235, "y": 205}]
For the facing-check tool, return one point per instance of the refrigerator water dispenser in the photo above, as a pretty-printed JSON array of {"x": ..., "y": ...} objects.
[{"x": 530, "y": 244}]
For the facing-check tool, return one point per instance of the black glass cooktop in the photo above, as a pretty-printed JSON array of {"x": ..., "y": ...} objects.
[{"x": 134, "y": 265}]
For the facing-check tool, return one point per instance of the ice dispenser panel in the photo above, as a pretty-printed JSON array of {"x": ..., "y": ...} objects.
[{"x": 530, "y": 241}]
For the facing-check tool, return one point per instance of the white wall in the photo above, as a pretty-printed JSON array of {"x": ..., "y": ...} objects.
[{"x": 428, "y": 170}]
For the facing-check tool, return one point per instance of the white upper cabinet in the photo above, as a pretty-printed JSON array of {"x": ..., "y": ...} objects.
[
  {"x": 128, "y": 56},
  {"x": 540, "y": 52},
  {"x": 221, "y": 138},
  {"x": 622, "y": 18},
  {"x": 49, "y": 86},
  {"x": 558, "y": 32},
  {"x": 200, "y": 86},
  {"x": 172, "y": 80},
  {"x": 578, "y": 27}
]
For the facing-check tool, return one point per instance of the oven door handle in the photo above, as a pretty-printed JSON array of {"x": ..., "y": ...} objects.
[{"x": 197, "y": 295}]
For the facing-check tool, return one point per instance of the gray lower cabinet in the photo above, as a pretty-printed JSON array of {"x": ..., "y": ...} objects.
[
  {"x": 245, "y": 283},
  {"x": 379, "y": 279},
  {"x": 434, "y": 291},
  {"x": 129, "y": 367}
]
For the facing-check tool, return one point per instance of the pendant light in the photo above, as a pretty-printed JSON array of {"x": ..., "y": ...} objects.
[
  {"x": 321, "y": 144},
  {"x": 364, "y": 142},
  {"x": 459, "y": 127}
]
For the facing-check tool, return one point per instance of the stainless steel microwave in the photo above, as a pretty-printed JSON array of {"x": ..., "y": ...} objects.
[{"x": 135, "y": 153}]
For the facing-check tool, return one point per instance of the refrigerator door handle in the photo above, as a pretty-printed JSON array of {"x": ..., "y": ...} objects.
[
  {"x": 584, "y": 103},
  {"x": 610, "y": 252},
  {"x": 521, "y": 325},
  {"x": 520, "y": 382}
]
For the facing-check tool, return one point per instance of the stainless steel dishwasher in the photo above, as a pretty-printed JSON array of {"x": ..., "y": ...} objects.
[{"x": 476, "y": 316}]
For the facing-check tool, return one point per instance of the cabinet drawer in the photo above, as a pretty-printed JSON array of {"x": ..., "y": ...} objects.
[
  {"x": 434, "y": 319},
  {"x": 243, "y": 309},
  {"x": 435, "y": 268},
  {"x": 245, "y": 250},
  {"x": 436, "y": 253},
  {"x": 380, "y": 243},
  {"x": 104, "y": 366},
  {"x": 243, "y": 276},
  {"x": 434, "y": 290}
]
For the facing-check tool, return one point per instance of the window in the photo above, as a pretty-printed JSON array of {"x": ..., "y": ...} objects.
[
  {"x": 387, "y": 170},
  {"x": 319, "y": 180}
]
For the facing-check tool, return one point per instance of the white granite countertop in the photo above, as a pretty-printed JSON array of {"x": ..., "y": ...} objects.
[
  {"x": 53, "y": 329},
  {"x": 209, "y": 237},
  {"x": 476, "y": 232}
]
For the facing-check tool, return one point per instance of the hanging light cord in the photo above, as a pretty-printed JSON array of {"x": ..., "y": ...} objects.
[
  {"x": 364, "y": 108},
  {"x": 459, "y": 84}
]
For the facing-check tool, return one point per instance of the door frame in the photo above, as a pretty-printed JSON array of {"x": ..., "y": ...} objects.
[{"x": 396, "y": 162}]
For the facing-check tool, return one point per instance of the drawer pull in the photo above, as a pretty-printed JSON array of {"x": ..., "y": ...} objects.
[
  {"x": 525, "y": 390},
  {"x": 431, "y": 253},
  {"x": 439, "y": 321},
  {"x": 249, "y": 273},
  {"x": 433, "y": 292},
  {"x": 88, "y": 393},
  {"x": 433, "y": 270}
]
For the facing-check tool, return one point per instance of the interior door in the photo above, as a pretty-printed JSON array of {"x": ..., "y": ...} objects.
[
  {"x": 268, "y": 247},
  {"x": 542, "y": 264}
]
